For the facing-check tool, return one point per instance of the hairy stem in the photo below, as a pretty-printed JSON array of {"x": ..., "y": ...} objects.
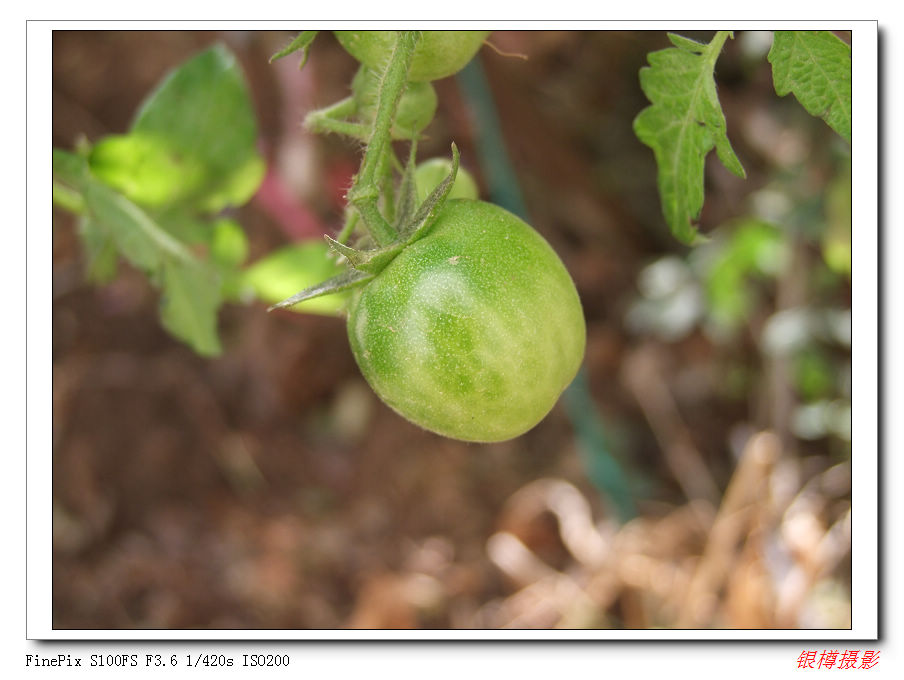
[
  {"x": 351, "y": 221},
  {"x": 365, "y": 192},
  {"x": 715, "y": 46},
  {"x": 333, "y": 119}
]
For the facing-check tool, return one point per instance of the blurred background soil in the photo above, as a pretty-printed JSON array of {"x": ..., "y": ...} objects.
[{"x": 269, "y": 487}]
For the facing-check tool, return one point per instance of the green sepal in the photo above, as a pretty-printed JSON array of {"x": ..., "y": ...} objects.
[
  {"x": 430, "y": 208},
  {"x": 344, "y": 281},
  {"x": 366, "y": 264},
  {"x": 371, "y": 261},
  {"x": 303, "y": 41}
]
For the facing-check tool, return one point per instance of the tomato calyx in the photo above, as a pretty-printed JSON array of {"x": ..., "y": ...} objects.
[{"x": 365, "y": 264}]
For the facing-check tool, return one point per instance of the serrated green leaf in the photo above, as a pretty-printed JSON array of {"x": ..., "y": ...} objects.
[
  {"x": 203, "y": 113},
  {"x": 686, "y": 43},
  {"x": 683, "y": 125},
  {"x": 302, "y": 42},
  {"x": 816, "y": 67},
  {"x": 189, "y": 301}
]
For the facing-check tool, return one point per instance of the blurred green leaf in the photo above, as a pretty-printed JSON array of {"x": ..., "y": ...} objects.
[
  {"x": 752, "y": 248},
  {"x": 293, "y": 268},
  {"x": 185, "y": 227},
  {"x": 188, "y": 304},
  {"x": 814, "y": 374},
  {"x": 228, "y": 245},
  {"x": 836, "y": 240},
  {"x": 68, "y": 198},
  {"x": 683, "y": 124},
  {"x": 69, "y": 169},
  {"x": 203, "y": 113},
  {"x": 816, "y": 67},
  {"x": 137, "y": 236},
  {"x": 191, "y": 149},
  {"x": 100, "y": 251},
  {"x": 113, "y": 225},
  {"x": 148, "y": 169}
]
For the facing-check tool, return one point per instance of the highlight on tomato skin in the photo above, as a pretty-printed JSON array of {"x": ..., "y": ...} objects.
[{"x": 474, "y": 330}]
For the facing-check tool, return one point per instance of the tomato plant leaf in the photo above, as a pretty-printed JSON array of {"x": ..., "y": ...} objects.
[
  {"x": 749, "y": 248},
  {"x": 148, "y": 169},
  {"x": 136, "y": 235},
  {"x": 100, "y": 251},
  {"x": 113, "y": 225},
  {"x": 303, "y": 41},
  {"x": 228, "y": 244},
  {"x": 203, "y": 117},
  {"x": 189, "y": 302},
  {"x": 143, "y": 195},
  {"x": 69, "y": 169},
  {"x": 68, "y": 198},
  {"x": 683, "y": 124},
  {"x": 816, "y": 67}
]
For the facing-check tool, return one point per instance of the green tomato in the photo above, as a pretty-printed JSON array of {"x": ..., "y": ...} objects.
[
  {"x": 438, "y": 53},
  {"x": 415, "y": 110},
  {"x": 430, "y": 173},
  {"x": 474, "y": 330}
]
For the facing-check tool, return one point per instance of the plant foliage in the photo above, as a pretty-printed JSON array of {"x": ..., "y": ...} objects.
[
  {"x": 151, "y": 196},
  {"x": 686, "y": 121},
  {"x": 816, "y": 67},
  {"x": 682, "y": 126}
]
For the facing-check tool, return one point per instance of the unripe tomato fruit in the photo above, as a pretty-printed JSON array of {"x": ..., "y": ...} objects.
[
  {"x": 415, "y": 110},
  {"x": 438, "y": 53},
  {"x": 473, "y": 330},
  {"x": 430, "y": 173}
]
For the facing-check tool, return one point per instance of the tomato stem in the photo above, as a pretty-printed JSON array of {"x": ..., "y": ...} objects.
[
  {"x": 351, "y": 221},
  {"x": 364, "y": 193},
  {"x": 715, "y": 45},
  {"x": 333, "y": 119}
]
